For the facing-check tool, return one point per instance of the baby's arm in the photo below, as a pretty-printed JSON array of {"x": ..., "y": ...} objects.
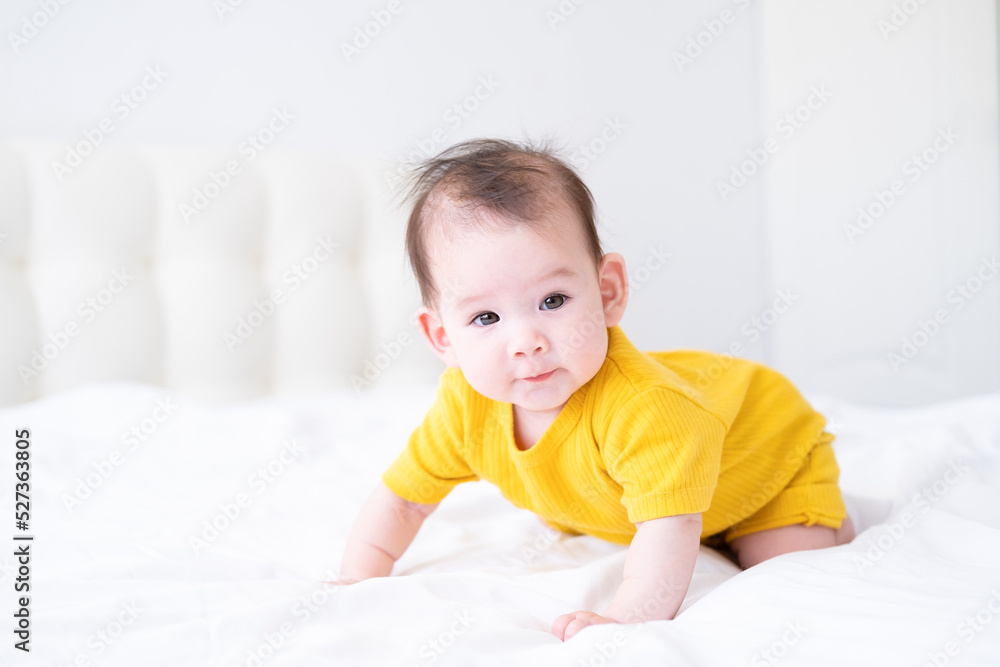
[
  {"x": 383, "y": 530},
  {"x": 658, "y": 569}
]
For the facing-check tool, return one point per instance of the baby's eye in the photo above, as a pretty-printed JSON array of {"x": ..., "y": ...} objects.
[
  {"x": 553, "y": 301},
  {"x": 486, "y": 319}
]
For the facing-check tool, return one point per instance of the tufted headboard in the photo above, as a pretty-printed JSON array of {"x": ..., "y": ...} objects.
[{"x": 218, "y": 275}]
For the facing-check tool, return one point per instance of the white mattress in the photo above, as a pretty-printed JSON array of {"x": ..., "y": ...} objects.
[{"x": 116, "y": 581}]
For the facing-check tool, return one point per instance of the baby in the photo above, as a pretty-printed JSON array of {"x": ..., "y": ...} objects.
[{"x": 547, "y": 398}]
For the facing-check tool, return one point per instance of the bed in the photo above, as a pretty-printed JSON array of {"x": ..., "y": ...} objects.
[
  {"x": 190, "y": 494},
  {"x": 207, "y": 542}
]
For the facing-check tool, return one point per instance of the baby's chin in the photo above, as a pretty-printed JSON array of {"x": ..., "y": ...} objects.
[
  {"x": 543, "y": 399},
  {"x": 536, "y": 400}
]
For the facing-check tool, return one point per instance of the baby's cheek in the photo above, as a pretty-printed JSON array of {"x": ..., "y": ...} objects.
[
  {"x": 486, "y": 379},
  {"x": 592, "y": 358}
]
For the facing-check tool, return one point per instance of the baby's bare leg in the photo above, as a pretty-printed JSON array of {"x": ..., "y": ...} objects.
[{"x": 758, "y": 547}]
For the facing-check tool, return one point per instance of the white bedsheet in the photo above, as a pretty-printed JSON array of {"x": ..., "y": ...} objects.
[{"x": 115, "y": 579}]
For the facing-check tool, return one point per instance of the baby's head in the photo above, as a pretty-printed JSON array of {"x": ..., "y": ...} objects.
[{"x": 516, "y": 289}]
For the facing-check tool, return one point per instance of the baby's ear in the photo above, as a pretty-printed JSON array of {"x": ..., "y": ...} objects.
[
  {"x": 433, "y": 330},
  {"x": 614, "y": 287}
]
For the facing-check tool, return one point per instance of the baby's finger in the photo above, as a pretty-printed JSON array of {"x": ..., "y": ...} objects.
[
  {"x": 577, "y": 624},
  {"x": 559, "y": 625}
]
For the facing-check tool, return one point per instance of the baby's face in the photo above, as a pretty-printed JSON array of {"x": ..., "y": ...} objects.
[{"x": 521, "y": 311}]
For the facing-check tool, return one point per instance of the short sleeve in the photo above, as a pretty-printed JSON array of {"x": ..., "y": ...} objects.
[
  {"x": 665, "y": 451},
  {"x": 431, "y": 464}
]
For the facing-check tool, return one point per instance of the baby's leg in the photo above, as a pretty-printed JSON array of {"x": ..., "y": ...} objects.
[
  {"x": 811, "y": 497},
  {"x": 757, "y": 547}
]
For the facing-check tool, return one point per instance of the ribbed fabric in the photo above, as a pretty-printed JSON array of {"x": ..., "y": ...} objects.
[
  {"x": 812, "y": 497},
  {"x": 651, "y": 435}
]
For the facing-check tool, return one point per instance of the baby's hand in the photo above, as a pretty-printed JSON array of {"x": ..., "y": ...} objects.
[{"x": 568, "y": 625}]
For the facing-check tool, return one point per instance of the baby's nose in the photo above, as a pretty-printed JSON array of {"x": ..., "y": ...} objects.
[{"x": 528, "y": 341}]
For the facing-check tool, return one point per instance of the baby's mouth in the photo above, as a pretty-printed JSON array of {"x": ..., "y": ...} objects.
[{"x": 540, "y": 378}]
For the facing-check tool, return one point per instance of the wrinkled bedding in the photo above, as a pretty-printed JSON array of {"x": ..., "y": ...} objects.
[{"x": 172, "y": 533}]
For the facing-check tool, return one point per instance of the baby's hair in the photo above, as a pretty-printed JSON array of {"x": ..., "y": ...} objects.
[{"x": 503, "y": 179}]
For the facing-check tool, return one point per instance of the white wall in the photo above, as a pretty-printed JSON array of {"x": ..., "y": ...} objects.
[
  {"x": 685, "y": 126},
  {"x": 909, "y": 134}
]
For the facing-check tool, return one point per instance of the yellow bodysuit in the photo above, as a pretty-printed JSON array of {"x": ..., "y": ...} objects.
[{"x": 652, "y": 434}]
